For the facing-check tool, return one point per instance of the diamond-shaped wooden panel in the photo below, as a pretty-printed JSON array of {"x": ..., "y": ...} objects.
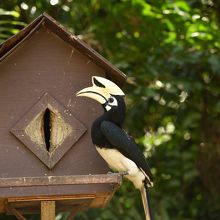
[{"x": 49, "y": 130}]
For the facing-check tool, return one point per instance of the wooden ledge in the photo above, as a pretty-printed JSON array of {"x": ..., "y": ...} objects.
[
  {"x": 113, "y": 178},
  {"x": 98, "y": 192}
]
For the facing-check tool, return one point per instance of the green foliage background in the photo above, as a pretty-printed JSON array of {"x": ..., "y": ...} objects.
[{"x": 170, "y": 50}]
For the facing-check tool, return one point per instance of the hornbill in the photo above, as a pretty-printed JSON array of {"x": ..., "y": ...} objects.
[{"x": 116, "y": 147}]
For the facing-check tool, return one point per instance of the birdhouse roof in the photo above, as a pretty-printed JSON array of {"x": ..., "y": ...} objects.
[{"x": 7, "y": 47}]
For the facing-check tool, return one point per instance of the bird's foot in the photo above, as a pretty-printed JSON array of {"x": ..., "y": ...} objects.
[{"x": 123, "y": 173}]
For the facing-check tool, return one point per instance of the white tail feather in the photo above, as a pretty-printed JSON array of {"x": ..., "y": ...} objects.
[{"x": 145, "y": 202}]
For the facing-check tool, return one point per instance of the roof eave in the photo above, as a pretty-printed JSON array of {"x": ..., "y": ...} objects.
[{"x": 12, "y": 43}]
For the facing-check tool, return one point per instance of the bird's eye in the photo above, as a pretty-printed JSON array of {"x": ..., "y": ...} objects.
[{"x": 110, "y": 100}]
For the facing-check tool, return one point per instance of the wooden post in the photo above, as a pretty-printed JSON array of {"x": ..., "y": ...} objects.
[
  {"x": 73, "y": 213},
  {"x": 47, "y": 210},
  {"x": 15, "y": 212}
]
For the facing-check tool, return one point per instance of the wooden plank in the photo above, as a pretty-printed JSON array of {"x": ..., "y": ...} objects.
[
  {"x": 2, "y": 205},
  {"x": 30, "y": 205},
  {"x": 61, "y": 180},
  {"x": 47, "y": 210},
  {"x": 53, "y": 198},
  {"x": 74, "y": 212},
  {"x": 15, "y": 212}
]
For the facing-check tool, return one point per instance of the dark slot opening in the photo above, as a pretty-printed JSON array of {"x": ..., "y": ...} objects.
[{"x": 47, "y": 127}]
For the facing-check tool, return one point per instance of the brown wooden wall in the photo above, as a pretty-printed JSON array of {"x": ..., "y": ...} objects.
[{"x": 45, "y": 63}]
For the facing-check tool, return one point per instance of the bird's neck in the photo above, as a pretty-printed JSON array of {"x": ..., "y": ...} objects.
[
  {"x": 97, "y": 137},
  {"x": 115, "y": 115}
]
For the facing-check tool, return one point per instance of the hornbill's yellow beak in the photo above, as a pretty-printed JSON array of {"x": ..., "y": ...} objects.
[{"x": 101, "y": 90}]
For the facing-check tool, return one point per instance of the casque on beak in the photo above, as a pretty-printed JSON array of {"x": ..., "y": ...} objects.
[
  {"x": 95, "y": 92},
  {"x": 101, "y": 90}
]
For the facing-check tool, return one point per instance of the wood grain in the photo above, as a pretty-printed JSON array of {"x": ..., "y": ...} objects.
[
  {"x": 48, "y": 210},
  {"x": 61, "y": 180}
]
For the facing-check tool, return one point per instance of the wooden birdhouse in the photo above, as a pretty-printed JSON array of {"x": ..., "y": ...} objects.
[{"x": 47, "y": 159}]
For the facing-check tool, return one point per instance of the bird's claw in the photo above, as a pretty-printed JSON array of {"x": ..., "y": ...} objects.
[{"x": 123, "y": 173}]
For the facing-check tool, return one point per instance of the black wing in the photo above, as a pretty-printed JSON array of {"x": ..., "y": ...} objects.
[{"x": 125, "y": 145}]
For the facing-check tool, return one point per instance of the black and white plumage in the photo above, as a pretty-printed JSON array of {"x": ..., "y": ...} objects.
[{"x": 116, "y": 147}]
